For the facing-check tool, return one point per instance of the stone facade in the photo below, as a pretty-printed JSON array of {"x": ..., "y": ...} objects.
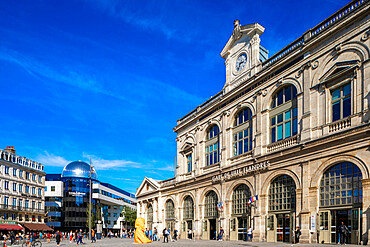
[
  {"x": 297, "y": 167},
  {"x": 22, "y": 188}
]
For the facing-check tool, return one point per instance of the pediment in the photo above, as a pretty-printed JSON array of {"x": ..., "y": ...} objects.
[
  {"x": 148, "y": 185},
  {"x": 240, "y": 32},
  {"x": 338, "y": 70},
  {"x": 187, "y": 147}
]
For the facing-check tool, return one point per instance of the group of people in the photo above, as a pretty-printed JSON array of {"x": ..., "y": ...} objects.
[{"x": 153, "y": 234}]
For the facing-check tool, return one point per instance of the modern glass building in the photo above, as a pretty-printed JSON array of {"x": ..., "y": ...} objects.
[{"x": 67, "y": 199}]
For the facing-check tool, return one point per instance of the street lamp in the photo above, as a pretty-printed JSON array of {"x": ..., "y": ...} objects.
[{"x": 90, "y": 200}]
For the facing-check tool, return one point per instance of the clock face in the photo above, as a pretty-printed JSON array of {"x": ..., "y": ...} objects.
[{"x": 241, "y": 62}]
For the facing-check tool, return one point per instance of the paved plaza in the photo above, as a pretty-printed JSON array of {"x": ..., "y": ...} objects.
[{"x": 180, "y": 243}]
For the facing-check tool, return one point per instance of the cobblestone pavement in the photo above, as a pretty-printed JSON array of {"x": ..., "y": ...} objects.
[{"x": 181, "y": 243}]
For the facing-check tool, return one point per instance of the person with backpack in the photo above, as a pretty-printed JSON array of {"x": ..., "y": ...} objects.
[{"x": 343, "y": 233}]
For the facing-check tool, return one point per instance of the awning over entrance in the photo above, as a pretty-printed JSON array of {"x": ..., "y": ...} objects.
[
  {"x": 37, "y": 227},
  {"x": 11, "y": 227}
]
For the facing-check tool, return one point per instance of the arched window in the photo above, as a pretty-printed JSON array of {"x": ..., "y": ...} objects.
[
  {"x": 212, "y": 145},
  {"x": 211, "y": 205},
  {"x": 188, "y": 208},
  {"x": 241, "y": 197},
  {"x": 284, "y": 114},
  {"x": 150, "y": 216},
  {"x": 282, "y": 194},
  {"x": 242, "y": 141},
  {"x": 170, "y": 210},
  {"x": 341, "y": 185}
]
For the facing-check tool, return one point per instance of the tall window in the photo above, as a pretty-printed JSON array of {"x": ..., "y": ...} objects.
[
  {"x": 211, "y": 205},
  {"x": 341, "y": 102},
  {"x": 341, "y": 185},
  {"x": 170, "y": 210},
  {"x": 212, "y": 145},
  {"x": 188, "y": 208},
  {"x": 243, "y": 132},
  {"x": 282, "y": 194},
  {"x": 14, "y": 172},
  {"x": 189, "y": 159},
  {"x": 241, "y": 197},
  {"x": 284, "y": 114},
  {"x": 150, "y": 216}
]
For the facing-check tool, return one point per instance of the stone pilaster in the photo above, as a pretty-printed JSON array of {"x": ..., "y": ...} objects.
[{"x": 306, "y": 116}]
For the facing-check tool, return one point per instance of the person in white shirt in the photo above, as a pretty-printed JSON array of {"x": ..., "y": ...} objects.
[{"x": 249, "y": 234}]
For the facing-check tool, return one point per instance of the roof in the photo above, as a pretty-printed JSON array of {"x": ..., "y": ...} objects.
[{"x": 78, "y": 169}]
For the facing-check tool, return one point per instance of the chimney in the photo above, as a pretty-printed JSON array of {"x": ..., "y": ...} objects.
[{"x": 10, "y": 149}]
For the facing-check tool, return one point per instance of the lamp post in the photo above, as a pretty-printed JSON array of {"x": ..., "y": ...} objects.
[{"x": 90, "y": 201}]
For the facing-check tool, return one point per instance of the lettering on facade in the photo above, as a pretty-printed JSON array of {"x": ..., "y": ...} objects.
[
  {"x": 242, "y": 171},
  {"x": 78, "y": 194}
]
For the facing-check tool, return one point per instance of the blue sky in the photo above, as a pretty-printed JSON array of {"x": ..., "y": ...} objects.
[{"x": 107, "y": 80}]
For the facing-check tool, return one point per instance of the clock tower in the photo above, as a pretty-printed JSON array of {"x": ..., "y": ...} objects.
[{"x": 243, "y": 54}]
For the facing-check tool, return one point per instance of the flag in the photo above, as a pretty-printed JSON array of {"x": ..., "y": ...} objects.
[
  {"x": 252, "y": 199},
  {"x": 220, "y": 206}
]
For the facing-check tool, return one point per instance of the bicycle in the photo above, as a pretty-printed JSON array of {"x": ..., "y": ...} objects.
[{"x": 35, "y": 243}]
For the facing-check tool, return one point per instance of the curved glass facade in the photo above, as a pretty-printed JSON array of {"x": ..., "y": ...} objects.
[{"x": 78, "y": 169}]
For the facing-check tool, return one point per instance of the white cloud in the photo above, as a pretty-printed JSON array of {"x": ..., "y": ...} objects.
[
  {"x": 52, "y": 160},
  {"x": 103, "y": 164},
  {"x": 64, "y": 75}
]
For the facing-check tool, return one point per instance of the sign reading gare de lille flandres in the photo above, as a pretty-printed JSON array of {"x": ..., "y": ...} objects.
[{"x": 241, "y": 171}]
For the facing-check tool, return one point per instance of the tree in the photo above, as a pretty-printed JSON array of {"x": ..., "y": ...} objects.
[
  {"x": 129, "y": 215},
  {"x": 92, "y": 217}
]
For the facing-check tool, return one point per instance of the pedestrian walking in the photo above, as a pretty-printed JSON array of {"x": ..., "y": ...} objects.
[
  {"x": 93, "y": 239},
  {"x": 175, "y": 233},
  {"x": 58, "y": 238},
  {"x": 342, "y": 233},
  {"x": 249, "y": 234},
  {"x": 221, "y": 235},
  {"x": 297, "y": 234}
]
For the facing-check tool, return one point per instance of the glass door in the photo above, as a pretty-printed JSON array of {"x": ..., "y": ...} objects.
[
  {"x": 271, "y": 228},
  {"x": 242, "y": 228},
  {"x": 324, "y": 230},
  {"x": 355, "y": 234}
]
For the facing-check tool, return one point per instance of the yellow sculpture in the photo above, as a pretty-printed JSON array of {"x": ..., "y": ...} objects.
[{"x": 140, "y": 237}]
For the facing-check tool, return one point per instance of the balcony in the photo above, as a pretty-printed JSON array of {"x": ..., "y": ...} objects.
[
  {"x": 340, "y": 124},
  {"x": 283, "y": 144},
  {"x": 4, "y": 207}
]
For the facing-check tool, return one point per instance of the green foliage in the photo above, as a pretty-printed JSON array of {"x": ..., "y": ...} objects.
[
  {"x": 92, "y": 217},
  {"x": 129, "y": 215}
]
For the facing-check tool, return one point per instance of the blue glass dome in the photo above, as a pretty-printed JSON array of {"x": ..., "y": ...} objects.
[{"x": 78, "y": 169}]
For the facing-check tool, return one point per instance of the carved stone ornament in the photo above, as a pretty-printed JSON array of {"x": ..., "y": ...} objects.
[
  {"x": 278, "y": 83},
  {"x": 237, "y": 30},
  {"x": 365, "y": 36},
  {"x": 264, "y": 92},
  {"x": 253, "y": 98},
  {"x": 255, "y": 40},
  {"x": 299, "y": 73},
  {"x": 338, "y": 48},
  {"x": 315, "y": 64}
]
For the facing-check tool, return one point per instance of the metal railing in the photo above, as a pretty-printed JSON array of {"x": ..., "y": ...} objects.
[{"x": 19, "y": 208}]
